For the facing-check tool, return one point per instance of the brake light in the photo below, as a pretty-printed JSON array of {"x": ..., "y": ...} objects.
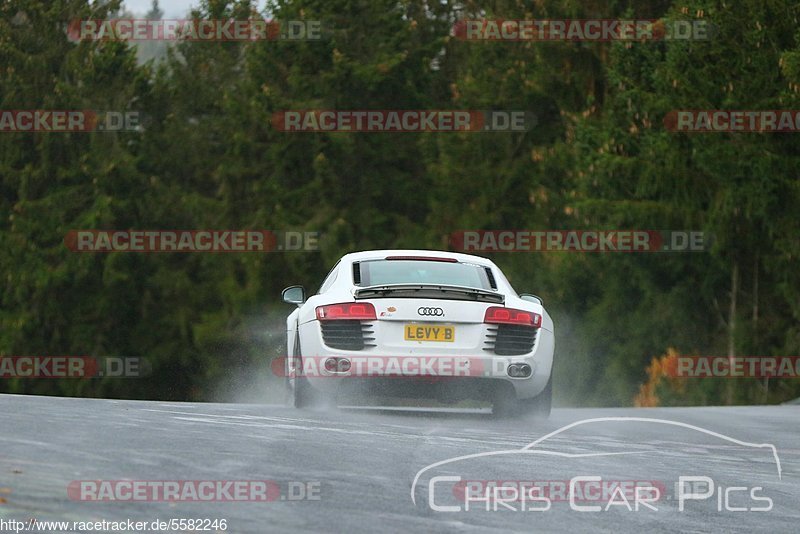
[
  {"x": 422, "y": 258},
  {"x": 500, "y": 315},
  {"x": 359, "y": 311}
]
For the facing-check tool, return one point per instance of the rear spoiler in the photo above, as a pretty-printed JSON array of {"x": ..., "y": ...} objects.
[{"x": 429, "y": 291}]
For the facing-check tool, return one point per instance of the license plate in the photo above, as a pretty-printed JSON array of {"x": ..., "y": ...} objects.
[{"x": 418, "y": 332}]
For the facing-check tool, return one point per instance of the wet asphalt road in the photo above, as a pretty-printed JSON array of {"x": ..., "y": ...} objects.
[{"x": 357, "y": 467}]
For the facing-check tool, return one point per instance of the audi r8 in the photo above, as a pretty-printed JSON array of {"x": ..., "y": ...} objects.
[{"x": 419, "y": 324}]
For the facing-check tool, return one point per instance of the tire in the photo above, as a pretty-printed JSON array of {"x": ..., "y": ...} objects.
[
  {"x": 505, "y": 404},
  {"x": 540, "y": 406},
  {"x": 504, "y": 401},
  {"x": 298, "y": 390},
  {"x": 300, "y": 394}
]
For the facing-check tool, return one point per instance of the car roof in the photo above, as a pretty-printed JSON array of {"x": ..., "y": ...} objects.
[{"x": 381, "y": 254}]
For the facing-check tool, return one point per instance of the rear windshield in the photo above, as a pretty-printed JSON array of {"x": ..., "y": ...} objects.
[{"x": 381, "y": 272}]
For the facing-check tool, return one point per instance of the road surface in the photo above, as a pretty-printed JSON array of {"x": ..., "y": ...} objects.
[{"x": 352, "y": 470}]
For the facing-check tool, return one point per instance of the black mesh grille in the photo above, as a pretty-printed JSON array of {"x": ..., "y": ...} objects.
[
  {"x": 510, "y": 340},
  {"x": 347, "y": 334}
]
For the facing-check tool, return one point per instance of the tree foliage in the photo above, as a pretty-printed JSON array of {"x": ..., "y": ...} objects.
[{"x": 599, "y": 157}]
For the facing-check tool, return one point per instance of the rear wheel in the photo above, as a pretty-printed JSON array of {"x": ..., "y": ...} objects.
[
  {"x": 301, "y": 393},
  {"x": 539, "y": 406},
  {"x": 505, "y": 403},
  {"x": 298, "y": 390}
]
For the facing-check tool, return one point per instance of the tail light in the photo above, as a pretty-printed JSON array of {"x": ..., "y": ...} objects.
[
  {"x": 500, "y": 315},
  {"x": 358, "y": 311}
]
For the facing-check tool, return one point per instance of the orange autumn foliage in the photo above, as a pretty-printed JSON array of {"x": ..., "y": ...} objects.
[{"x": 660, "y": 368}]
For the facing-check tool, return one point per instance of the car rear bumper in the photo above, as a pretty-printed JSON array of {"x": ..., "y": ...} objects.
[{"x": 425, "y": 372}]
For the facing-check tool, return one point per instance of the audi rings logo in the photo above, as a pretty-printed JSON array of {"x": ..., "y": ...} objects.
[{"x": 435, "y": 312}]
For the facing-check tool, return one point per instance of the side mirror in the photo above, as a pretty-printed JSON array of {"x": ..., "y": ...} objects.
[
  {"x": 532, "y": 298},
  {"x": 294, "y": 295}
]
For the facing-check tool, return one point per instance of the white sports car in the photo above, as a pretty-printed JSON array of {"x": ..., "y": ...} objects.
[{"x": 419, "y": 323}]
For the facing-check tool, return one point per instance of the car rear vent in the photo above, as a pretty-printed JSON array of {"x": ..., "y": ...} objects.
[
  {"x": 490, "y": 276},
  {"x": 347, "y": 334},
  {"x": 356, "y": 273},
  {"x": 510, "y": 339}
]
